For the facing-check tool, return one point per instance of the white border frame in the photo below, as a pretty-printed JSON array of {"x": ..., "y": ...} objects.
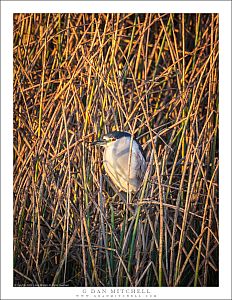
[{"x": 7, "y": 10}]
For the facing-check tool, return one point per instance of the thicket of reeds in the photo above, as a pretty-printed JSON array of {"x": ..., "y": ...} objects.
[{"x": 78, "y": 76}]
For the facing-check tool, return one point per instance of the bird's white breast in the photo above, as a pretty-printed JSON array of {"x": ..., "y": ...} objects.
[{"x": 117, "y": 159}]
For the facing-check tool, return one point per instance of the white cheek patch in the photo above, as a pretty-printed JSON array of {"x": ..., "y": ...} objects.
[{"x": 106, "y": 138}]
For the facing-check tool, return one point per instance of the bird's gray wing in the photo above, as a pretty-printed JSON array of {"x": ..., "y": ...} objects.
[{"x": 140, "y": 167}]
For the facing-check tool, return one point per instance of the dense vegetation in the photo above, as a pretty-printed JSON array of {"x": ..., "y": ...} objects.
[{"x": 77, "y": 76}]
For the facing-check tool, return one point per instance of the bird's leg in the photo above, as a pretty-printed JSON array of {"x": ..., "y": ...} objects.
[{"x": 120, "y": 194}]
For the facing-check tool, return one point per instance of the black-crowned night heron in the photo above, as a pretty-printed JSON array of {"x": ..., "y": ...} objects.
[{"x": 123, "y": 160}]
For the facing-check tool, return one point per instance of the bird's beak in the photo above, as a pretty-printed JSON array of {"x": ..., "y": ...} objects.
[{"x": 99, "y": 143}]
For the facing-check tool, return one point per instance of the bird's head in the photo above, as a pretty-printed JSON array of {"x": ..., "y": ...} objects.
[{"x": 111, "y": 137}]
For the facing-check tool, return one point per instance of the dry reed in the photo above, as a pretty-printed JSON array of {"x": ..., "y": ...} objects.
[{"x": 77, "y": 76}]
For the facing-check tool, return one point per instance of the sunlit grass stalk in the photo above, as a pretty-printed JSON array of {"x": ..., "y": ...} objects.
[
  {"x": 104, "y": 235},
  {"x": 161, "y": 49},
  {"x": 132, "y": 244},
  {"x": 203, "y": 227},
  {"x": 112, "y": 245}
]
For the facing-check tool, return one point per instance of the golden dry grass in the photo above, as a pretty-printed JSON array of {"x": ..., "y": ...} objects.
[{"x": 77, "y": 76}]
